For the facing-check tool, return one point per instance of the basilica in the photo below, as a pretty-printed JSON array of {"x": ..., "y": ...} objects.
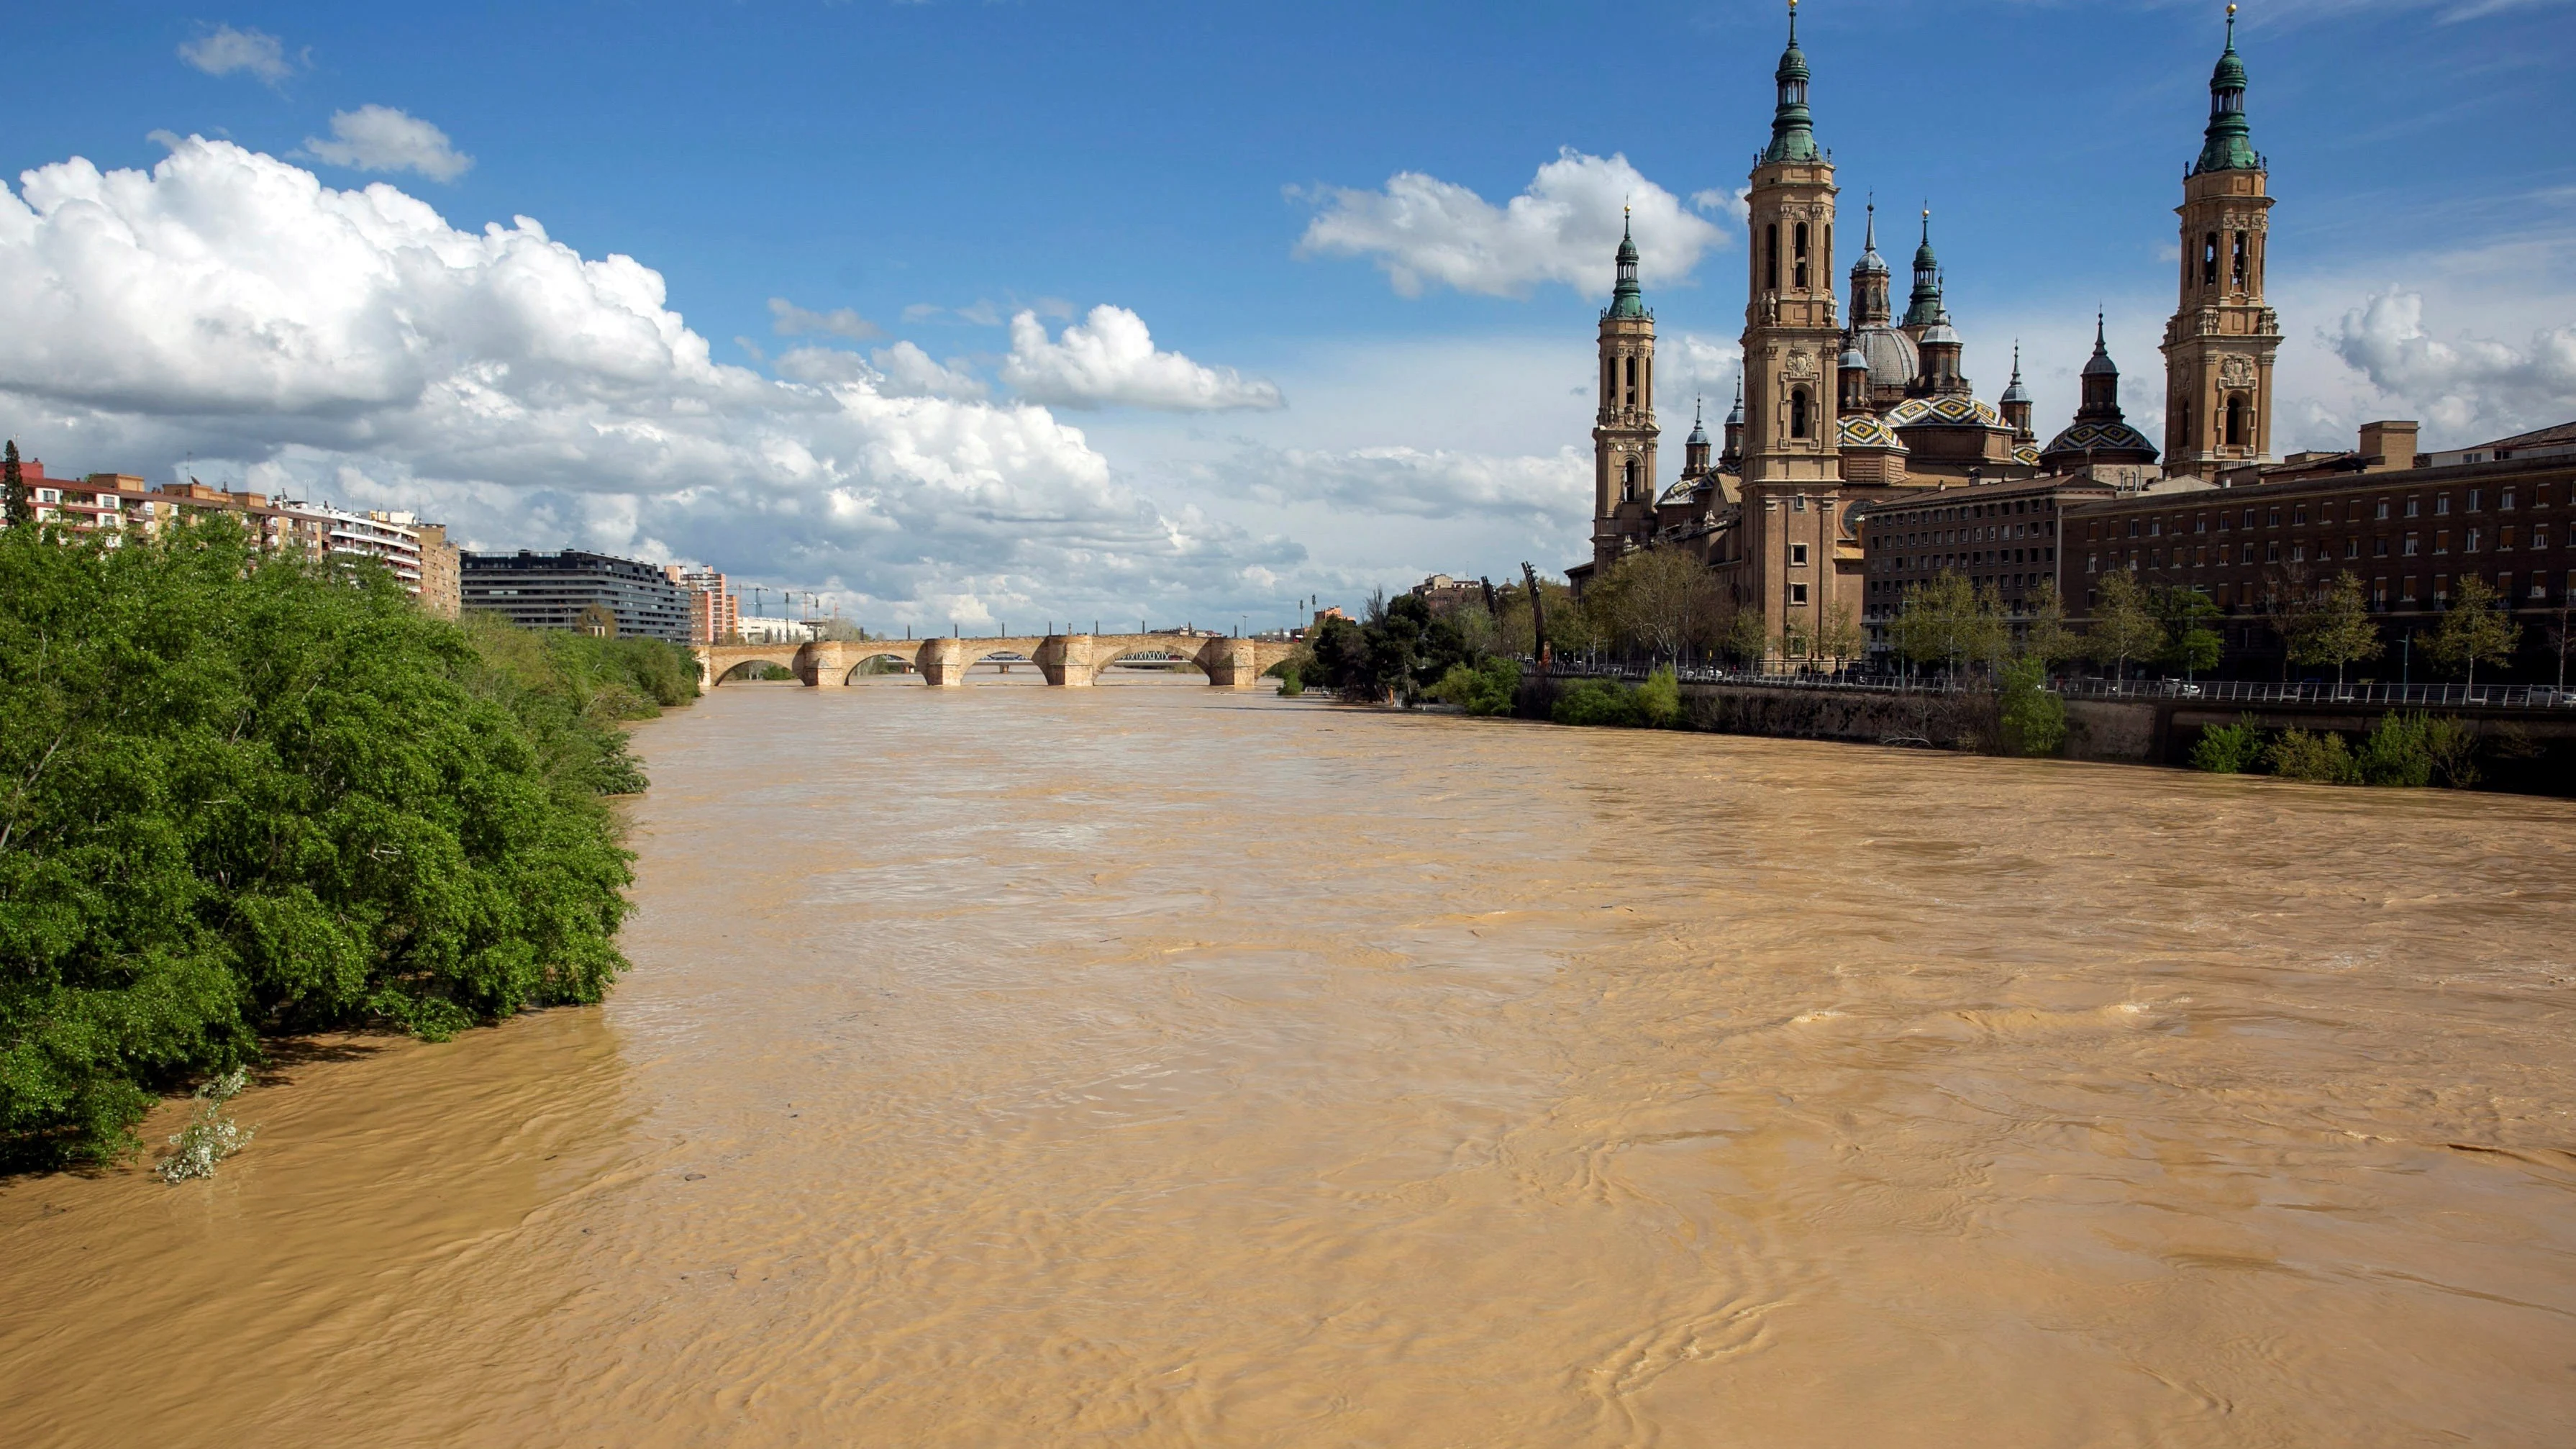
[{"x": 1842, "y": 411}]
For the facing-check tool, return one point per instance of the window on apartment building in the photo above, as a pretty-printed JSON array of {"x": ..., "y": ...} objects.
[
  {"x": 2272, "y": 518},
  {"x": 2249, "y": 554},
  {"x": 2504, "y": 537},
  {"x": 2352, "y": 548},
  {"x": 2382, "y": 510},
  {"x": 1798, "y": 555},
  {"x": 2271, "y": 553},
  {"x": 2504, "y": 589},
  {"x": 2504, "y": 500},
  {"x": 2406, "y": 589},
  {"x": 2299, "y": 516},
  {"x": 2092, "y": 563},
  {"x": 2379, "y": 593},
  {"x": 2299, "y": 553},
  {"x": 1797, "y": 593},
  {"x": 2475, "y": 494},
  {"x": 2441, "y": 587},
  {"x": 2411, "y": 540},
  {"x": 2226, "y": 521},
  {"x": 2441, "y": 504},
  {"x": 2414, "y": 506},
  {"x": 2379, "y": 548},
  {"x": 2200, "y": 557},
  {"x": 2540, "y": 536},
  {"x": 2155, "y": 528},
  {"x": 2441, "y": 540},
  {"x": 2200, "y": 523}
]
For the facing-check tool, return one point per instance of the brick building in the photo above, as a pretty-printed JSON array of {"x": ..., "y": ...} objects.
[
  {"x": 2003, "y": 535},
  {"x": 2406, "y": 527}
]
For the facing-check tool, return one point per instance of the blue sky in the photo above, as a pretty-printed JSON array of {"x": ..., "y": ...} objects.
[{"x": 817, "y": 185}]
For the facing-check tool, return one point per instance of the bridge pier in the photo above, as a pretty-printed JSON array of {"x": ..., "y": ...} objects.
[
  {"x": 943, "y": 663},
  {"x": 1065, "y": 659},
  {"x": 1231, "y": 663}
]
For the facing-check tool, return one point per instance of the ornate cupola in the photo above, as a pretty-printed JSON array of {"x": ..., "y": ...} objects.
[
  {"x": 1627, "y": 298},
  {"x": 1695, "y": 447},
  {"x": 1941, "y": 348},
  {"x": 1730, "y": 457},
  {"x": 1924, "y": 307},
  {"x": 1869, "y": 305},
  {"x": 2099, "y": 434},
  {"x": 2228, "y": 143},
  {"x": 2016, "y": 402},
  {"x": 1853, "y": 375},
  {"x": 1793, "y": 135}
]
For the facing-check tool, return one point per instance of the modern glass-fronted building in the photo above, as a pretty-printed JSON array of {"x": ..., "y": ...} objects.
[{"x": 551, "y": 590}]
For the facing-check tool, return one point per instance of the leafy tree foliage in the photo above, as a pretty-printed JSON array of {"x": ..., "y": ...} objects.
[
  {"x": 2034, "y": 718},
  {"x": 241, "y": 796},
  {"x": 2047, "y": 639},
  {"x": 1487, "y": 688},
  {"x": 2186, "y": 618},
  {"x": 2474, "y": 630},
  {"x": 2123, "y": 627},
  {"x": 17, "y": 503},
  {"x": 1398, "y": 653},
  {"x": 2338, "y": 630},
  {"x": 1951, "y": 622}
]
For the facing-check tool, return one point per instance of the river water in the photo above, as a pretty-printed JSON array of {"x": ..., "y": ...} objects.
[{"x": 1155, "y": 1065}]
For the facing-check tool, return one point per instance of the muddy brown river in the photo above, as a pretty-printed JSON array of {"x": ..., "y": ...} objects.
[{"x": 1155, "y": 1066}]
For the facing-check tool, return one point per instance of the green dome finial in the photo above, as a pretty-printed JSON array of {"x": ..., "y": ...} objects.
[
  {"x": 2228, "y": 144},
  {"x": 1627, "y": 299},
  {"x": 1923, "y": 306},
  {"x": 1793, "y": 136}
]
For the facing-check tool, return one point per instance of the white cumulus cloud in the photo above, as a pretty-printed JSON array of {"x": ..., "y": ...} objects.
[
  {"x": 223, "y": 50},
  {"x": 2464, "y": 385},
  {"x": 351, "y": 344},
  {"x": 1109, "y": 360},
  {"x": 1423, "y": 231},
  {"x": 380, "y": 138}
]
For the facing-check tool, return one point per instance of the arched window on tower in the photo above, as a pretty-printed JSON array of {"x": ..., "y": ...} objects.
[
  {"x": 2236, "y": 268},
  {"x": 1628, "y": 397},
  {"x": 2182, "y": 427},
  {"x": 2209, "y": 260},
  {"x": 1771, "y": 250},
  {"x": 1798, "y": 413},
  {"x": 1628, "y": 481},
  {"x": 2236, "y": 420},
  {"x": 1798, "y": 243}
]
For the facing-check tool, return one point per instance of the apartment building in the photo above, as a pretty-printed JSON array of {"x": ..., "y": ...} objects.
[
  {"x": 554, "y": 590},
  {"x": 715, "y": 611}
]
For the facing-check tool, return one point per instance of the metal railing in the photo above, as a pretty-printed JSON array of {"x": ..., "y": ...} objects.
[{"x": 2216, "y": 691}]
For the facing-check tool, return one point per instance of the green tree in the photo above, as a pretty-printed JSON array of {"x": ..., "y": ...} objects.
[
  {"x": 2339, "y": 630},
  {"x": 20, "y": 508},
  {"x": 244, "y": 795},
  {"x": 2122, "y": 627},
  {"x": 1951, "y": 621},
  {"x": 1656, "y": 599},
  {"x": 2187, "y": 617},
  {"x": 1838, "y": 637},
  {"x": 1745, "y": 638},
  {"x": 2046, "y": 638},
  {"x": 2289, "y": 601},
  {"x": 2474, "y": 631},
  {"x": 2034, "y": 718}
]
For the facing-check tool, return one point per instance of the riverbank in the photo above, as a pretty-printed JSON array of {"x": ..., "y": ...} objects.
[{"x": 2519, "y": 750}]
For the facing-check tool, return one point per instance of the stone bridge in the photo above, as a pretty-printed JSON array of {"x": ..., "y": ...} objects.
[{"x": 1071, "y": 660}]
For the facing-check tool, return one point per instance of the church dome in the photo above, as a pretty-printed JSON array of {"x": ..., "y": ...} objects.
[
  {"x": 1892, "y": 358},
  {"x": 2026, "y": 454},
  {"x": 2106, "y": 442},
  {"x": 1948, "y": 409}
]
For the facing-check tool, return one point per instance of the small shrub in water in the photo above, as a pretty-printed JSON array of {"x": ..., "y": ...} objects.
[
  {"x": 2395, "y": 753},
  {"x": 2034, "y": 719},
  {"x": 1597, "y": 702},
  {"x": 211, "y": 1135},
  {"x": 2320, "y": 758},
  {"x": 2453, "y": 747},
  {"x": 1485, "y": 688},
  {"x": 1659, "y": 699},
  {"x": 2228, "y": 749},
  {"x": 1292, "y": 681}
]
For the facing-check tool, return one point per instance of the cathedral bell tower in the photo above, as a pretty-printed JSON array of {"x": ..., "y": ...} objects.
[
  {"x": 1792, "y": 345},
  {"x": 2218, "y": 347},
  {"x": 1624, "y": 431}
]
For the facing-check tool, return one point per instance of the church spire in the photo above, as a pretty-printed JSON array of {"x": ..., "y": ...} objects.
[
  {"x": 2228, "y": 144},
  {"x": 1627, "y": 299},
  {"x": 1793, "y": 136},
  {"x": 1923, "y": 308}
]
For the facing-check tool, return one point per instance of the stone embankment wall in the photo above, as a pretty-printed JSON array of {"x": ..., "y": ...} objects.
[{"x": 2525, "y": 750}]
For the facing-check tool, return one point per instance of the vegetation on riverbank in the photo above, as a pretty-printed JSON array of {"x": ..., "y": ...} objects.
[
  {"x": 2405, "y": 750},
  {"x": 242, "y": 795}
]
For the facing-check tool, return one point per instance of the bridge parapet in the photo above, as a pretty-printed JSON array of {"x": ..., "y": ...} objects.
[{"x": 1071, "y": 661}]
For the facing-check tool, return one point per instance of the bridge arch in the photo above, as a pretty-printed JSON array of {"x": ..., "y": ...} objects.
[
  {"x": 733, "y": 667},
  {"x": 855, "y": 657}
]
